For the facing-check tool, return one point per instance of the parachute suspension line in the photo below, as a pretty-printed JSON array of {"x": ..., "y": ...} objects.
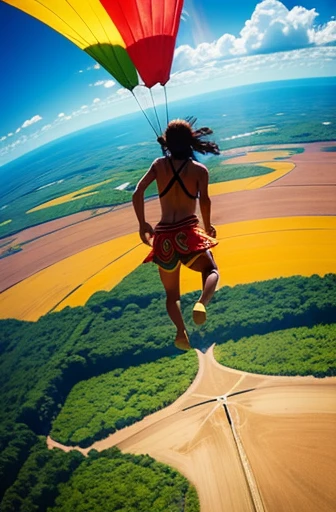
[
  {"x": 156, "y": 114},
  {"x": 144, "y": 113},
  {"x": 166, "y": 101}
]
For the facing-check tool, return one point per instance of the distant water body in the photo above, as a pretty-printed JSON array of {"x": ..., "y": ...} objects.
[{"x": 228, "y": 112}]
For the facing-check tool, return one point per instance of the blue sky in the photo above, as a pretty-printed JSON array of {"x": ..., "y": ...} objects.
[{"x": 49, "y": 87}]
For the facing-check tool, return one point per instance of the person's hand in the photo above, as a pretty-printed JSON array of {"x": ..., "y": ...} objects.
[
  {"x": 212, "y": 231},
  {"x": 145, "y": 230}
]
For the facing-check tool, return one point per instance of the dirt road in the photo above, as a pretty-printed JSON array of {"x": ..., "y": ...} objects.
[{"x": 276, "y": 455}]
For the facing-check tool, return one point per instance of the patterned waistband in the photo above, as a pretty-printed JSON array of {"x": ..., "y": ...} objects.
[{"x": 187, "y": 222}]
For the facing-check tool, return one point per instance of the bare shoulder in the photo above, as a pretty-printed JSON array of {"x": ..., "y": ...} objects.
[
  {"x": 201, "y": 169},
  {"x": 200, "y": 166},
  {"x": 158, "y": 163}
]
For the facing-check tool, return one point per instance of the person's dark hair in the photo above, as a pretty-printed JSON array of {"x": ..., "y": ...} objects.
[{"x": 180, "y": 140}]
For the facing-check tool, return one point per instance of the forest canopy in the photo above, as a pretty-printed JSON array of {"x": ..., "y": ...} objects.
[
  {"x": 101, "y": 405},
  {"x": 300, "y": 351},
  {"x": 41, "y": 361},
  {"x": 117, "y": 331}
]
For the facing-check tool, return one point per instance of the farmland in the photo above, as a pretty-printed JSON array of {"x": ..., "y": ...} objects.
[
  {"x": 253, "y": 245},
  {"x": 273, "y": 313}
]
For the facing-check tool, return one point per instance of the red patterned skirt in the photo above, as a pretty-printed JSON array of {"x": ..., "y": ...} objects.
[{"x": 181, "y": 242}]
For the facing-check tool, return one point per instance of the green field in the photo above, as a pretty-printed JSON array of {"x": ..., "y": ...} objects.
[
  {"x": 122, "y": 149},
  {"x": 104, "y": 196},
  {"x": 123, "y": 171}
]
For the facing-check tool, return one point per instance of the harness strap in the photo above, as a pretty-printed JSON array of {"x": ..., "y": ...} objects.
[{"x": 177, "y": 178}]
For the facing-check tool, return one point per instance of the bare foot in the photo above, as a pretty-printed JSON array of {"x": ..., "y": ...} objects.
[
  {"x": 199, "y": 313},
  {"x": 182, "y": 341}
]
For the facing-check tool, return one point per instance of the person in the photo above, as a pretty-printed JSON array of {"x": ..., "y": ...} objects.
[{"x": 178, "y": 238}]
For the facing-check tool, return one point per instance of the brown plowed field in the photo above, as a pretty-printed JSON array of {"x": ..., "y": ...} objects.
[
  {"x": 310, "y": 189},
  {"x": 277, "y": 455},
  {"x": 53, "y": 247},
  {"x": 49, "y": 227}
]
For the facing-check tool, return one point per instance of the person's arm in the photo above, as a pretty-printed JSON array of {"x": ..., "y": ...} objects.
[
  {"x": 205, "y": 202},
  {"x": 139, "y": 203}
]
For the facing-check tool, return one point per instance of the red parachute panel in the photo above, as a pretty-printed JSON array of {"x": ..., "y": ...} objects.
[{"x": 149, "y": 29}]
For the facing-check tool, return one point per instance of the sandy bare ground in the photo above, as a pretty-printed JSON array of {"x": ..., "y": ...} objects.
[
  {"x": 278, "y": 453},
  {"x": 310, "y": 189}
]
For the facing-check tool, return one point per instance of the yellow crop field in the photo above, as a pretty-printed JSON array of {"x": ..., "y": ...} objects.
[
  {"x": 248, "y": 251},
  {"x": 107, "y": 278},
  {"x": 258, "y": 250},
  {"x": 43, "y": 291},
  {"x": 258, "y": 156},
  {"x": 83, "y": 192},
  {"x": 5, "y": 222},
  {"x": 225, "y": 187}
]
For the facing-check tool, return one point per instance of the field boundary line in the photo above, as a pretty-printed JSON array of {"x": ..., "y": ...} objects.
[
  {"x": 251, "y": 482},
  {"x": 93, "y": 275}
]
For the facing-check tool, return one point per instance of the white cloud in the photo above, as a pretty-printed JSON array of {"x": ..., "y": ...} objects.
[
  {"x": 272, "y": 28},
  {"x": 61, "y": 114},
  {"x": 123, "y": 93},
  {"x": 324, "y": 35},
  {"x": 96, "y": 100},
  {"x": 4, "y": 137},
  {"x": 98, "y": 83},
  {"x": 83, "y": 107},
  {"x": 10, "y": 134},
  {"x": 46, "y": 127},
  {"x": 31, "y": 121},
  {"x": 109, "y": 83},
  {"x": 95, "y": 66},
  {"x": 242, "y": 66},
  {"x": 105, "y": 83},
  {"x": 183, "y": 78},
  {"x": 18, "y": 130},
  {"x": 90, "y": 68}
]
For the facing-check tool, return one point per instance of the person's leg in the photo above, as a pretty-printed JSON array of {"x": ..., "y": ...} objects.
[
  {"x": 171, "y": 283},
  {"x": 205, "y": 264}
]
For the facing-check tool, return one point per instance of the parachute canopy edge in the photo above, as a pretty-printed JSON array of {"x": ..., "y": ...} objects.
[{"x": 88, "y": 26}]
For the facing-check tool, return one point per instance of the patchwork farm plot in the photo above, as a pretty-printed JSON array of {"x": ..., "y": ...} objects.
[
  {"x": 73, "y": 196},
  {"x": 228, "y": 426},
  {"x": 64, "y": 268}
]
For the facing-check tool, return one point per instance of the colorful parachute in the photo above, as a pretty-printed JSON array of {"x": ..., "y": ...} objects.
[
  {"x": 122, "y": 35},
  {"x": 149, "y": 29}
]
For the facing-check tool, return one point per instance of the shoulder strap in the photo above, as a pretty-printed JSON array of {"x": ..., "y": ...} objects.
[{"x": 177, "y": 178}]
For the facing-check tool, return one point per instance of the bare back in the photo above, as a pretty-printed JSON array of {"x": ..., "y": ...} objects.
[{"x": 176, "y": 204}]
